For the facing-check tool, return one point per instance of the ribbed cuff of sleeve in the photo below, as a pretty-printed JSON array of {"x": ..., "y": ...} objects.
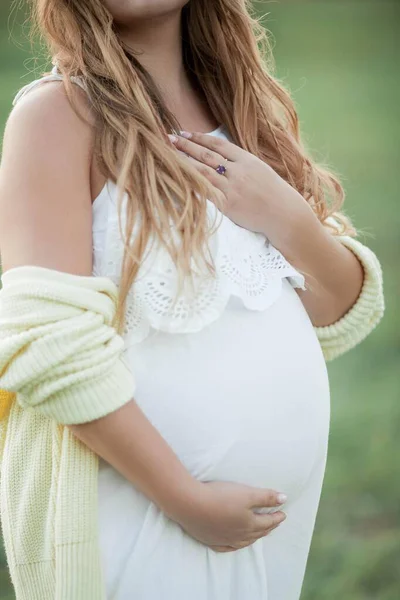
[{"x": 364, "y": 315}]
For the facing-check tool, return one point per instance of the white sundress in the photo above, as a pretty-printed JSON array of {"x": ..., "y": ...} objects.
[{"x": 234, "y": 379}]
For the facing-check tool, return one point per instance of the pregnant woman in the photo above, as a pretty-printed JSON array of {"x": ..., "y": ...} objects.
[{"x": 169, "y": 300}]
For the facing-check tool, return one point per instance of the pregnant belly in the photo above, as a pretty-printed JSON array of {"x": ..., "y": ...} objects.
[{"x": 246, "y": 399}]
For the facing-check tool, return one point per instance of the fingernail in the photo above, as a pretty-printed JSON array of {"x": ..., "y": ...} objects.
[
  {"x": 186, "y": 134},
  {"x": 281, "y": 498},
  {"x": 173, "y": 138}
]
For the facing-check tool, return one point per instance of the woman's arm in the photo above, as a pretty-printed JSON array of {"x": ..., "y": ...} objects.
[
  {"x": 127, "y": 440},
  {"x": 334, "y": 274},
  {"x": 46, "y": 221},
  {"x": 344, "y": 295}
]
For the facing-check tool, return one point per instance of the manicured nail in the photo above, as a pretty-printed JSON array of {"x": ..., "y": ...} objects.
[
  {"x": 186, "y": 134},
  {"x": 281, "y": 498},
  {"x": 173, "y": 138}
]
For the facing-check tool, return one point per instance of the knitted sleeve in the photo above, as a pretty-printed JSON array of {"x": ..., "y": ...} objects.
[
  {"x": 59, "y": 353},
  {"x": 364, "y": 315}
]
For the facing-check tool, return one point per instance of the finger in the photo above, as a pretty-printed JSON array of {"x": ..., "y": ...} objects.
[
  {"x": 218, "y": 181},
  {"x": 265, "y": 532},
  {"x": 264, "y": 522},
  {"x": 216, "y": 144},
  {"x": 271, "y": 529},
  {"x": 260, "y": 498},
  {"x": 203, "y": 155}
]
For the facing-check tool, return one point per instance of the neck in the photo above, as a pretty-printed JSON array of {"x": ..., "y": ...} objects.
[{"x": 157, "y": 45}]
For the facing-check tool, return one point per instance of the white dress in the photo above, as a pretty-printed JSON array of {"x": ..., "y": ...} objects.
[{"x": 234, "y": 379}]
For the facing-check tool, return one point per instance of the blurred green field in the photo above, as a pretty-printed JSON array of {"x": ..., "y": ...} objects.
[{"x": 340, "y": 60}]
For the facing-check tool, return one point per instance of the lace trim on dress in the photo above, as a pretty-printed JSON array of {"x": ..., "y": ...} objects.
[{"x": 247, "y": 266}]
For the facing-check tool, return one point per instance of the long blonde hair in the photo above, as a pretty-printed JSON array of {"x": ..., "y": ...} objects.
[{"x": 227, "y": 51}]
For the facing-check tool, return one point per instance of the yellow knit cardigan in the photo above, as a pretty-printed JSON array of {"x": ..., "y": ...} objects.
[{"x": 61, "y": 363}]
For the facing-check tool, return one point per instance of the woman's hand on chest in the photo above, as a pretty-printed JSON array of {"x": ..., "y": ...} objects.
[{"x": 254, "y": 196}]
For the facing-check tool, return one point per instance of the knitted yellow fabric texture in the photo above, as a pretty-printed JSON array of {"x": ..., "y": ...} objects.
[
  {"x": 6, "y": 399},
  {"x": 61, "y": 358},
  {"x": 60, "y": 363},
  {"x": 364, "y": 316}
]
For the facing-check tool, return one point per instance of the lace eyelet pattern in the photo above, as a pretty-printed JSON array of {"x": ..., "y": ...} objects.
[{"x": 247, "y": 266}]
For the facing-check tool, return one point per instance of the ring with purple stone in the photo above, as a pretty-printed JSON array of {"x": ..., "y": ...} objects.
[{"x": 221, "y": 169}]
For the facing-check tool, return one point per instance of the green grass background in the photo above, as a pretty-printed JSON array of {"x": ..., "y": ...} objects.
[{"x": 340, "y": 59}]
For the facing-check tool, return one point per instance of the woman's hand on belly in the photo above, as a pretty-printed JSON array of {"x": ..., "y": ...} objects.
[{"x": 222, "y": 515}]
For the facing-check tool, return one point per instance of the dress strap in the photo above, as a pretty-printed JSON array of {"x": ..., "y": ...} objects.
[{"x": 55, "y": 75}]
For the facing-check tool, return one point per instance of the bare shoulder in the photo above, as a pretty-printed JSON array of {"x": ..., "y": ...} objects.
[
  {"x": 45, "y": 118},
  {"x": 45, "y": 196}
]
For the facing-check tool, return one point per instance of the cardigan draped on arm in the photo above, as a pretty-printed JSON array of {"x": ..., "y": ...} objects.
[{"x": 60, "y": 360}]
